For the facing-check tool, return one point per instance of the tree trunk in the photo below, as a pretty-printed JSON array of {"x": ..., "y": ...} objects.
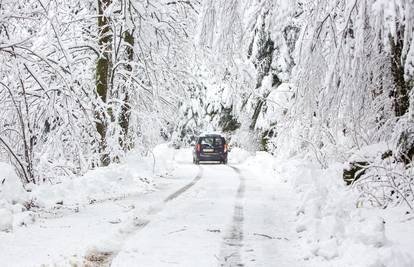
[
  {"x": 401, "y": 91},
  {"x": 102, "y": 76},
  {"x": 126, "y": 108}
]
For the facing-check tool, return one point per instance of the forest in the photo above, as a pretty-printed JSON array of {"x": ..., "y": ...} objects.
[
  {"x": 86, "y": 84},
  {"x": 80, "y": 82}
]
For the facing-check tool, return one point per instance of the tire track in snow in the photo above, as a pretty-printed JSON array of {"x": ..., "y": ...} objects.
[
  {"x": 186, "y": 187},
  {"x": 233, "y": 239},
  {"x": 104, "y": 258}
]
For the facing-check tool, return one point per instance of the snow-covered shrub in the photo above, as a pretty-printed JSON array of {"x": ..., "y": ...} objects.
[
  {"x": 387, "y": 182},
  {"x": 382, "y": 178},
  {"x": 403, "y": 138}
]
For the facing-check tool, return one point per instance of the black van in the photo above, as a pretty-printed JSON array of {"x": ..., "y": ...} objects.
[{"x": 210, "y": 147}]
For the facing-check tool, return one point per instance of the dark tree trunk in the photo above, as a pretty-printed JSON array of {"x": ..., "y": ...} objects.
[
  {"x": 400, "y": 93},
  {"x": 102, "y": 76},
  {"x": 126, "y": 108}
]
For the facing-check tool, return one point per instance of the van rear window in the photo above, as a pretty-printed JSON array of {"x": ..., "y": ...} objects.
[{"x": 211, "y": 141}]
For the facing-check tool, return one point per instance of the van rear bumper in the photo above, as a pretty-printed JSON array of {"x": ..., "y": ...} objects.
[{"x": 212, "y": 157}]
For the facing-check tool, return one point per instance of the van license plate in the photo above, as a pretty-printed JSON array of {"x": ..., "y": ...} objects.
[{"x": 208, "y": 150}]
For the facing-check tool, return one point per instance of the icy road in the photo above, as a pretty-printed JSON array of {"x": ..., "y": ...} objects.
[{"x": 207, "y": 215}]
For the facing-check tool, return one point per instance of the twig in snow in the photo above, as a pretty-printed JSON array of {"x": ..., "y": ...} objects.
[
  {"x": 268, "y": 236},
  {"x": 271, "y": 237},
  {"x": 177, "y": 231}
]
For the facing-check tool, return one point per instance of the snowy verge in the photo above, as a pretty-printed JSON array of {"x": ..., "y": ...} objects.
[
  {"x": 135, "y": 175},
  {"x": 238, "y": 155},
  {"x": 13, "y": 196},
  {"x": 331, "y": 229}
]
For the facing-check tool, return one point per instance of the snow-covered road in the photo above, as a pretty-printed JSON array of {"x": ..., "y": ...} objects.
[
  {"x": 262, "y": 212},
  {"x": 225, "y": 217}
]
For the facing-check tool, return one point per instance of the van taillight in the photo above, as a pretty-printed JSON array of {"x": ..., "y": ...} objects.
[
  {"x": 198, "y": 147},
  {"x": 225, "y": 147}
]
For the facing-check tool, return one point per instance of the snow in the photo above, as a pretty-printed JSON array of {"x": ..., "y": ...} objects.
[
  {"x": 12, "y": 197},
  {"x": 370, "y": 152},
  {"x": 96, "y": 185},
  {"x": 277, "y": 103},
  {"x": 237, "y": 155},
  {"x": 210, "y": 133},
  {"x": 181, "y": 220},
  {"x": 333, "y": 230},
  {"x": 331, "y": 227},
  {"x": 11, "y": 187},
  {"x": 163, "y": 156},
  {"x": 203, "y": 227},
  {"x": 258, "y": 211},
  {"x": 96, "y": 211},
  {"x": 313, "y": 81},
  {"x": 6, "y": 220},
  {"x": 132, "y": 177}
]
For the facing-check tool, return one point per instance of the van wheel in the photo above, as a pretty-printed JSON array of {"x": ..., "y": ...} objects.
[{"x": 224, "y": 161}]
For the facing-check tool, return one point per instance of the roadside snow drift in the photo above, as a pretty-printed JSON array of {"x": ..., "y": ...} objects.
[
  {"x": 12, "y": 197},
  {"x": 131, "y": 177},
  {"x": 332, "y": 230}
]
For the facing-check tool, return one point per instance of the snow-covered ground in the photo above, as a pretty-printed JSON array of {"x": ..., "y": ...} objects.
[{"x": 258, "y": 211}]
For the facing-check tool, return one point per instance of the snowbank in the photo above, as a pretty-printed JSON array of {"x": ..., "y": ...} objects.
[
  {"x": 238, "y": 155},
  {"x": 11, "y": 188},
  {"x": 262, "y": 162},
  {"x": 164, "y": 159},
  {"x": 12, "y": 197},
  {"x": 96, "y": 185},
  {"x": 131, "y": 177},
  {"x": 6, "y": 220},
  {"x": 370, "y": 152},
  {"x": 330, "y": 227}
]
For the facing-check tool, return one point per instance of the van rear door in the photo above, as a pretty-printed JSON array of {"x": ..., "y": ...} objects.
[{"x": 212, "y": 144}]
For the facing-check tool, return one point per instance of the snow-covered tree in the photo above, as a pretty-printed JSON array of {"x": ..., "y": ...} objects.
[{"x": 80, "y": 80}]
